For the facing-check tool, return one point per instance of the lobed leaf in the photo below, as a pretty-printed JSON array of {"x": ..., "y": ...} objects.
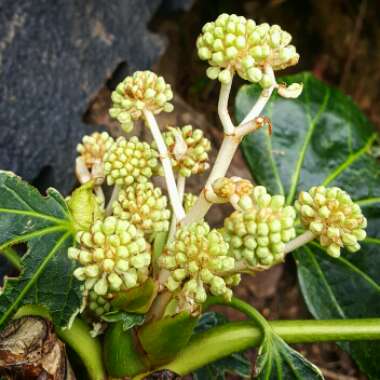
[
  {"x": 323, "y": 138},
  {"x": 45, "y": 225},
  {"x": 277, "y": 360}
]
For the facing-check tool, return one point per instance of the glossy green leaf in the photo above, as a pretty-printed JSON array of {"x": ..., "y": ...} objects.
[
  {"x": 128, "y": 320},
  {"x": 235, "y": 364},
  {"x": 136, "y": 300},
  {"x": 163, "y": 339},
  {"x": 277, "y": 360},
  {"x": 45, "y": 225},
  {"x": 323, "y": 138}
]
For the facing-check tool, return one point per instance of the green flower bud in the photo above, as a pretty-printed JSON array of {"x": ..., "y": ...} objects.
[
  {"x": 331, "y": 214},
  {"x": 197, "y": 260},
  {"x": 258, "y": 234},
  {"x": 142, "y": 90},
  {"x": 130, "y": 161},
  {"x": 114, "y": 262},
  {"x": 145, "y": 206},
  {"x": 239, "y": 45},
  {"x": 192, "y": 157},
  {"x": 93, "y": 147},
  {"x": 97, "y": 305}
]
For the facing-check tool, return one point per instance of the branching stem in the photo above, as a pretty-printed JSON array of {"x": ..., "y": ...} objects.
[
  {"x": 299, "y": 241},
  {"x": 166, "y": 164},
  {"x": 114, "y": 196},
  {"x": 230, "y": 143},
  {"x": 224, "y": 340},
  {"x": 181, "y": 184},
  {"x": 223, "y": 113}
]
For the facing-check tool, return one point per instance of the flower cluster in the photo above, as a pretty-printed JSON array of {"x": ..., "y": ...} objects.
[
  {"x": 330, "y": 214},
  {"x": 113, "y": 256},
  {"x": 93, "y": 147},
  {"x": 97, "y": 304},
  {"x": 234, "y": 44},
  {"x": 188, "y": 149},
  {"x": 197, "y": 259},
  {"x": 142, "y": 90},
  {"x": 145, "y": 206},
  {"x": 258, "y": 232},
  {"x": 130, "y": 161}
]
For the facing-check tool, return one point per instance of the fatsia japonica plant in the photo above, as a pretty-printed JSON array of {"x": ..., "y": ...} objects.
[{"x": 127, "y": 279}]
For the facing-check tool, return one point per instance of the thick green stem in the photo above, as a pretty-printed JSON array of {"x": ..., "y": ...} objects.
[
  {"x": 224, "y": 340},
  {"x": 78, "y": 338},
  {"x": 12, "y": 256},
  {"x": 243, "y": 307}
]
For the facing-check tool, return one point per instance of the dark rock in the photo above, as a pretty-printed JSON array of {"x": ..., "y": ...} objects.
[{"x": 54, "y": 58}]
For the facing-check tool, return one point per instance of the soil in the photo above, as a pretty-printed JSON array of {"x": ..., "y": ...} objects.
[{"x": 339, "y": 42}]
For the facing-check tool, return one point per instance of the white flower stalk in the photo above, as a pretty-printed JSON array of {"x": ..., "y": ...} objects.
[
  {"x": 145, "y": 206},
  {"x": 171, "y": 185},
  {"x": 142, "y": 90},
  {"x": 331, "y": 215},
  {"x": 113, "y": 256},
  {"x": 258, "y": 232},
  {"x": 198, "y": 263}
]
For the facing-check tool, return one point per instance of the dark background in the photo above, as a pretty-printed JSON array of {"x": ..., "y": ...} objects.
[{"x": 59, "y": 61}]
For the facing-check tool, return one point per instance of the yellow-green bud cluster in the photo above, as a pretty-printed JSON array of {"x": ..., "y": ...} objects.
[
  {"x": 258, "y": 232},
  {"x": 225, "y": 188},
  {"x": 194, "y": 160},
  {"x": 113, "y": 256},
  {"x": 189, "y": 200},
  {"x": 97, "y": 304},
  {"x": 198, "y": 260},
  {"x": 130, "y": 161},
  {"x": 142, "y": 90},
  {"x": 331, "y": 214},
  {"x": 93, "y": 147},
  {"x": 145, "y": 206},
  {"x": 234, "y": 44}
]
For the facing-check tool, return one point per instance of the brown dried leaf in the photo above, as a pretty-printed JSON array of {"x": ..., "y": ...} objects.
[{"x": 30, "y": 349}]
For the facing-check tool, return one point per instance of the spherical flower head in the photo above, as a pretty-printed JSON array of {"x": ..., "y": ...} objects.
[
  {"x": 188, "y": 149},
  {"x": 258, "y": 232},
  {"x": 145, "y": 206},
  {"x": 98, "y": 305},
  {"x": 142, "y": 90},
  {"x": 234, "y": 44},
  {"x": 332, "y": 216},
  {"x": 113, "y": 256},
  {"x": 198, "y": 262},
  {"x": 93, "y": 147},
  {"x": 130, "y": 161}
]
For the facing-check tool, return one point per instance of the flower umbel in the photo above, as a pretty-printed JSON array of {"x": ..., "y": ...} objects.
[
  {"x": 142, "y": 90},
  {"x": 93, "y": 147},
  {"x": 258, "y": 232},
  {"x": 113, "y": 256},
  {"x": 198, "y": 261},
  {"x": 234, "y": 44},
  {"x": 330, "y": 214},
  {"x": 145, "y": 206},
  {"x": 194, "y": 157},
  {"x": 130, "y": 161}
]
